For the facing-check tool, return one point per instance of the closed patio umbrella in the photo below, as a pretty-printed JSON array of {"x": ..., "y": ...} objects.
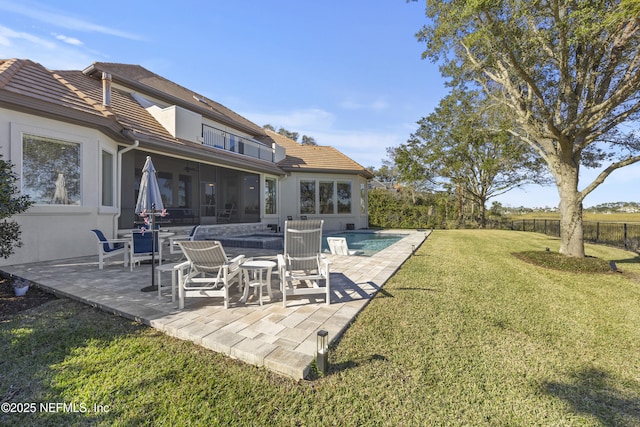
[{"x": 150, "y": 203}]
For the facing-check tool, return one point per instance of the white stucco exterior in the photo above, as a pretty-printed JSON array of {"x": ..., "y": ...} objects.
[
  {"x": 59, "y": 231},
  {"x": 198, "y": 145}
]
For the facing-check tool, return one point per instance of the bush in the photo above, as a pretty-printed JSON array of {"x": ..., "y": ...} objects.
[{"x": 10, "y": 204}]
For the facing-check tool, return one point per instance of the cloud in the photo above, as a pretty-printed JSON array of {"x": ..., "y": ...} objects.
[
  {"x": 377, "y": 105},
  {"x": 366, "y": 147},
  {"x": 311, "y": 118},
  {"x": 70, "y": 40},
  {"x": 42, "y": 13},
  {"x": 9, "y": 37},
  {"x": 53, "y": 55}
]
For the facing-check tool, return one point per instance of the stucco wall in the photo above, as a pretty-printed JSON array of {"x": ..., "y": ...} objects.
[
  {"x": 59, "y": 231},
  {"x": 290, "y": 197}
]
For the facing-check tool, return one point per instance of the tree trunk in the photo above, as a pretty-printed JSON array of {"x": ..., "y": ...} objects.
[{"x": 571, "y": 232}]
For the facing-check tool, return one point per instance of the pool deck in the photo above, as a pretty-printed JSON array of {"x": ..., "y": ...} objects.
[{"x": 282, "y": 339}]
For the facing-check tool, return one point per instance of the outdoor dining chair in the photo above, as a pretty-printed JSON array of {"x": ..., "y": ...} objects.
[
  {"x": 108, "y": 248},
  {"x": 141, "y": 248},
  {"x": 302, "y": 268},
  {"x": 210, "y": 272}
]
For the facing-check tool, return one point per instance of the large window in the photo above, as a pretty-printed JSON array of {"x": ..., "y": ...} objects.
[
  {"x": 270, "y": 196},
  {"x": 51, "y": 170},
  {"x": 307, "y": 197},
  {"x": 326, "y": 197},
  {"x": 344, "y": 197},
  {"x": 331, "y": 197}
]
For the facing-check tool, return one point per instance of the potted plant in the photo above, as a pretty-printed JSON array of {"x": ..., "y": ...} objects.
[{"x": 20, "y": 286}]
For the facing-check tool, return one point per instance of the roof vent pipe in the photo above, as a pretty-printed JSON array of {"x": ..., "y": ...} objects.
[{"x": 106, "y": 89}]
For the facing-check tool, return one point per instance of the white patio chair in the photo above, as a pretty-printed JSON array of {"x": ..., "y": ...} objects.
[
  {"x": 174, "y": 248},
  {"x": 210, "y": 272},
  {"x": 301, "y": 267},
  {"x": 339, "y": 246},
  {"x": 108, "y": 248}
]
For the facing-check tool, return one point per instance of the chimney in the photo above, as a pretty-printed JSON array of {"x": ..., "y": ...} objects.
[{"x": 106, "y": 89}]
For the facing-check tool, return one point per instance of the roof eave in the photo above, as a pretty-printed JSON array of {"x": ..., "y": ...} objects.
[
  {"x": 204, "y": 153},
  {"x": 30, "y": 105},
  {"x": 92, "y": 70},
  {"x": 361, "y": 172}
]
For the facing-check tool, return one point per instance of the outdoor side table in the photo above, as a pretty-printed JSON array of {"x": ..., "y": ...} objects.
[
  {"x": 173, "y": 268},
  {"x": 252, "y": 273}
]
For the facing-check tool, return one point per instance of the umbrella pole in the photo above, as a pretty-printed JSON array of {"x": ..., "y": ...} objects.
[{"x": 153, "y": 287}]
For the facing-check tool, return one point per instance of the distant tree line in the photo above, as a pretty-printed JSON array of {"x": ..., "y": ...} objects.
[{"x": 306, "y": 140}]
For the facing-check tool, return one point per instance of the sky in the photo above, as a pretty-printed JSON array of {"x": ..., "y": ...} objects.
[{"x": 348, "y": 73}]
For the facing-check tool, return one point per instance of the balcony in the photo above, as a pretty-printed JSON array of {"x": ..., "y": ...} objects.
[{"x": 213, "y": 137}]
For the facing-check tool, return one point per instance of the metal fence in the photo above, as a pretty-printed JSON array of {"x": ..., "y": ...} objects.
[{"x": 619, "y": 234}]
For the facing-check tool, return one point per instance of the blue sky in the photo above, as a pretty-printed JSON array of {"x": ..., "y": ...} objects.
[{"x": 347, "y": 72}]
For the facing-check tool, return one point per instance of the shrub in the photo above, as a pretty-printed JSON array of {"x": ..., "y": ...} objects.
[{"x": 11, "y": 203}]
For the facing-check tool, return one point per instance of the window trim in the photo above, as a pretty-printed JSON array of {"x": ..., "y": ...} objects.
[
  {"x": 17, "y": 130},
  {"x": 324, "y": 180}
]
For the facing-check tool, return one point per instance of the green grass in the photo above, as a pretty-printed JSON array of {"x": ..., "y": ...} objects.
[{"x": 464, "y": 334}]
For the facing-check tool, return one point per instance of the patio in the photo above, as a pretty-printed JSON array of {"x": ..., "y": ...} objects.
[{"x": 278, "y": 338}]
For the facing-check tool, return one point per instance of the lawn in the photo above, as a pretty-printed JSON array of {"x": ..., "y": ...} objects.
[{"x": 465, "y": 333}]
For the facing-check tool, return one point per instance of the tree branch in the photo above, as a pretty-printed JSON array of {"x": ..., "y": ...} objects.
[{"x": 605, "y": 173}]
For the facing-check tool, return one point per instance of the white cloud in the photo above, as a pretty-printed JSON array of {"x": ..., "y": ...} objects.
[
  {"x": 43, "y": 13},
  {"x": 311, "y": 118},
  {"x": 9, "y": 37},
  {"x": 56, "y": 56},
  {"x": 352, "y": 104},
  {"x": 368, "y": 148},
  {"x": 69, "y": 40}
]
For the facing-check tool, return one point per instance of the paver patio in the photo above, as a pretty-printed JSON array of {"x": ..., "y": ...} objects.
[{"x": 282, "y": 339}]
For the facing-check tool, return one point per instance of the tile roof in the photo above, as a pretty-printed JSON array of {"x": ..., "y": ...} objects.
[
  {"x": 28, "y": 86},
  {"x": 76, "y": 96},
  {"x": 145, "y": 80},
  {"x": 315, "y": 158}
]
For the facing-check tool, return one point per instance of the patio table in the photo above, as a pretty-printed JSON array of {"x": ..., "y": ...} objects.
[{"x": 256, "y": 268}]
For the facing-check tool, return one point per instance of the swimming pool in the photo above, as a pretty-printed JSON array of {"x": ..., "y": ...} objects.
[{"x": 368, "y": 242}]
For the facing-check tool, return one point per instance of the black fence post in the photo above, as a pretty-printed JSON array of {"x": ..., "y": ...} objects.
[
  {"x": 597, "y": 231},
  {"x": 625, "y": 235}
]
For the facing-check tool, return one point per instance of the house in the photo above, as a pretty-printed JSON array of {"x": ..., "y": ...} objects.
[{"x": 79, "y": 139}]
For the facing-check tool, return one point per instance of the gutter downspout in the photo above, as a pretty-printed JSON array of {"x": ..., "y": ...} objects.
[{"x": 135, "y": 145}]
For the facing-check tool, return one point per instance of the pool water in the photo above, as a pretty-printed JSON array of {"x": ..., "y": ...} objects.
[{"x": 369, "y": 243}]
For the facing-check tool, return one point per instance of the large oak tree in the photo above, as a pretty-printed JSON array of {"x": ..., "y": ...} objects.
[{"x": 569, "y": 73}]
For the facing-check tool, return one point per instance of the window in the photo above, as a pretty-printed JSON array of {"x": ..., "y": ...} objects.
[
  {"x": 326, "y": 197},
  {"x": 270, "y": 196},
  {"x": 344, "y": 197},
  {"x": 307, "y": 197},
  {"x": 51, "y": 170},
  {"x": 107, "y": 179},
  {"x": 363, "y": 196},
  {"x": 332, "y": 197}
]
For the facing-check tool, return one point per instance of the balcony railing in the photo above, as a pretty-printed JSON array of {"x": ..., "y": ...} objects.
[{"x": 218, "y": 138}]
